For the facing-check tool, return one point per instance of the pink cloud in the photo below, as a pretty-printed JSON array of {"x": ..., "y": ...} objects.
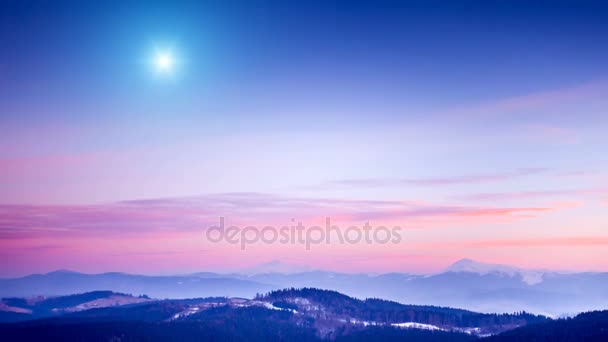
[
  {"x": 154, "y": 234},
  {"x": 573, "y": 241},
  {"x": 552, "y": 134},
  {"x": 529, "y": 101},
  {"x": 193, "y": 214}
]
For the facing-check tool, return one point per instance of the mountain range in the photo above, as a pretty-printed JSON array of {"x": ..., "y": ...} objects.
[
  {"x": 305, "y": 314},
  {"x": 466, "y": 284}
]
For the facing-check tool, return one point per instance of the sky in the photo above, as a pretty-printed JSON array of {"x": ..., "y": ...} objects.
[{"x": 478, "y": 127}]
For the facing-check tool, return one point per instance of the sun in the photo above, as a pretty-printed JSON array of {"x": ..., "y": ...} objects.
[{"x": 164, "y": 61}]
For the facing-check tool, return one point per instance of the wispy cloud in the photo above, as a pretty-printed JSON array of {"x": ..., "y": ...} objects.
[
  {"x": 529, "y": 101},
  {"x": 449, "y": 212},
  {"x": 552, "y": 134},
  {"x": 146, "y": 253},
  {"x": 524, "y": 195},
  {"x": 191, "y": 214},
  {"x": 498, "y": 196},
  {"x": 439, "y": 181},
  {"x": 569, "y": 241}
]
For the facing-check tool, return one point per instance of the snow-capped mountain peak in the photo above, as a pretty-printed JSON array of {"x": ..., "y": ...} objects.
[
  {"x": 276, "y": 266},
  {"x": 530, "y": 277},
  {"x": 472, "y": 266}
]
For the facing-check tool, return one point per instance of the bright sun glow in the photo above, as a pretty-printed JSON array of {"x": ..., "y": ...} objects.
[{"x": 164, "y": 61}]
